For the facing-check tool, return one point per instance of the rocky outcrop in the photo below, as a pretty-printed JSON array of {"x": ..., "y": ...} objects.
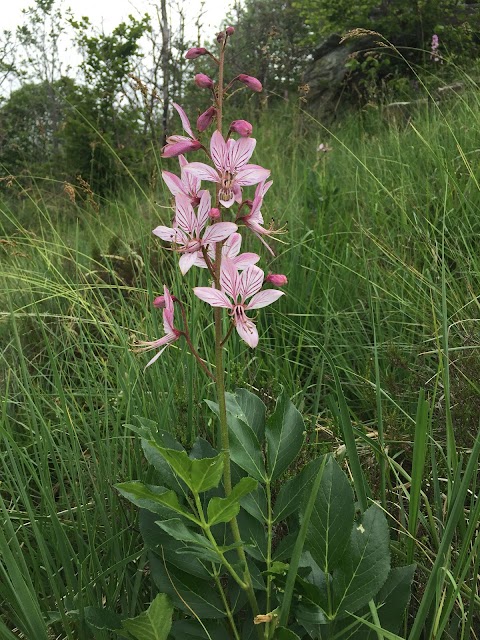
[{"x": 325, "y": 75}]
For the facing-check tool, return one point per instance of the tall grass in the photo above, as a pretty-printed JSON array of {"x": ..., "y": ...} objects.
[{"x": 383, "y": 272}]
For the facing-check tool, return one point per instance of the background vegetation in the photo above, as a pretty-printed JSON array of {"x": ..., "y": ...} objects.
[{"x": 383, "y": 270}]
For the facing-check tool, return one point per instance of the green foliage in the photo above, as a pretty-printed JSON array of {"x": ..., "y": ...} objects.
[
  {"x": 155, "y": 623},
  {"x": 344, "y": 563}
]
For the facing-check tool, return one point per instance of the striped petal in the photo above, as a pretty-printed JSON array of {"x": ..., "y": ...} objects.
[{"x": 214, "y": 297}]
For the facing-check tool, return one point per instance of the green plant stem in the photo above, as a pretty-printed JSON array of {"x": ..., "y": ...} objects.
[
  {"x": 269, "y": 554},
  {"x": 226, "y": 605},
  {"x": 220, "y": 377},
  {"x": 206, "y": 528}
]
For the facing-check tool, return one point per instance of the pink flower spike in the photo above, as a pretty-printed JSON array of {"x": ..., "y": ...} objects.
[
  {"x": 171, "y": 333},
  {"x": 186, "y": 233},
  {"x": 277, "y": 279},
  {"x": 236, "y": 289},
  {"x": 203, "y": 81},
  {"x": 231, "y": 168},
  {"x": 195, "y": 52},
  {"x": 251, "y": 82},
  {"x": 205, "y": 119},
  {"x": 242, "y": 127}
]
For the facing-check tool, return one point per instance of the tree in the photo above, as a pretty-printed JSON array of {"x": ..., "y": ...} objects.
[{"x": 271, "y": 42}]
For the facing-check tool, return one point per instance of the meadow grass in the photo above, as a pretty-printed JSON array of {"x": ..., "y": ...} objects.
[{"x": 384, "y": 276}]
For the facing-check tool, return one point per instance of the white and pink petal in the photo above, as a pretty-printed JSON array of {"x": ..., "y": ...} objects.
[
  {"x": 264, "y": 298},
  {"x": 213, "y": 297},
  {"x": 251, "y": 174}
]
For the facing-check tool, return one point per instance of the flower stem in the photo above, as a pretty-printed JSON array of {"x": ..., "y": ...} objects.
[{"x": 220, "y": 375}]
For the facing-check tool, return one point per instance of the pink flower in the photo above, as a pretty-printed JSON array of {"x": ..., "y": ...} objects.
[
  {"x": 205, "y": 119},
  {"x": 231, "y": 168},
  {"x": 239, "y": 287},
  {"x": 187, "y": 228},
  {"x": 171, "y": 333},
  {"x": 277, "y": 279},
  {"x": 231, "y": 250},
  {"x": 254, "y": 220},
  {"x": 195, "y": 52},
  {"x": 251, "y": 82},
  {"x": 181, "y": 144},
  {"x": 203, "y": 81},
  {"x": 230, "y": 31},
  {"x": 242, "y": 127},
  {"x": 188, "y": 184}
]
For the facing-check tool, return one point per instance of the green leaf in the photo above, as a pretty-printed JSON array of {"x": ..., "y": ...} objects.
[
  {"x": 364, "y": 566},
  {"x": 193, "y": 630},
  {"x": 156, "y": 459},
  {"x": 245, "y": 448},
  {"x": 255, "y": 503},
  {"x": 198, "y": 475},
  {"x": 393, "y": 598},
  {"x": 154, "y": 623},
  {"x": 284, "y": 435},
  {"x": 147, "y": 496},
  {"x": 188, "y": 592},
  {"x": 177, "y": 530},
  {"x": 202, "y": 449},
  {"x": 254, "y": 411},
  {"x": 331, "y": 523},
  {"x": 158, "y": 540},
  {"x": 289, "y": 498},
  {"x": 285, "y": 634},
  {"x": 207, "y": 473},
  {"x": 225, "y": 509},
  {"x": 178, "y": 460},
  {"x": 100, "y": 618}
]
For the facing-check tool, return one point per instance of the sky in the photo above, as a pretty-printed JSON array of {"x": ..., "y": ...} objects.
[{"x": 108, "y": 13}]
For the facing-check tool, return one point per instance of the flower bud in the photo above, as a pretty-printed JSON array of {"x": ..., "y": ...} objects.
[
  {"x": 203, "y": 81},
  {"x": 230, "y": 31},
  {"x": 242, "y": 127},
  {"x": 159, "y": 302},
  {"x": 277, "y": 279},
  {"x": 205, "y": 119},
  {"x": 214, "y": 213},
  {"x": 251, "y": 82},
  {"x": 176, "y": 148},
  {"x": 195, "y": 52},
  {"x": 221, "y": 36}
]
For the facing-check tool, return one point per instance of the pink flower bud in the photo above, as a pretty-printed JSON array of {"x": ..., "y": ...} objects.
[
  {"x": 214, "y": 213},
  {"x": 277, "y": 279},
  {"x": 221, "y": 36},
  {"x": 195, "y": 52},
  {"x": 173, "y": 149},
  {"x": 230, "y": 31},
  {"x": 251, "y": 82},
  {"x": 203, "y": 81},
  {"x": 205, "y": 119},
  {"x": 242, "y": 127},
  {"x": 159, "y": 302}
]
